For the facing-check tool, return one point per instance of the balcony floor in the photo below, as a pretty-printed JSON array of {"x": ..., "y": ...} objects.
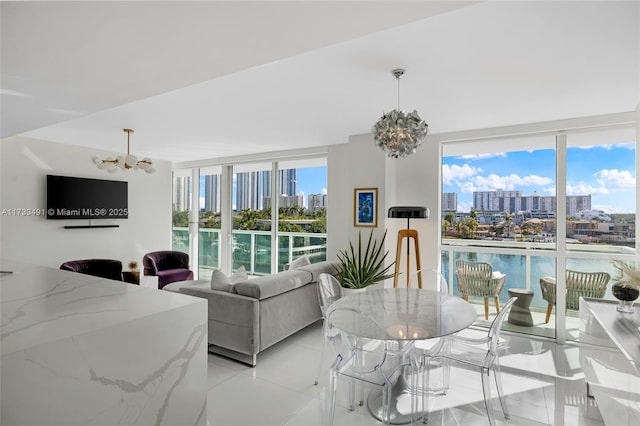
[{"x": 539, "y": 327}]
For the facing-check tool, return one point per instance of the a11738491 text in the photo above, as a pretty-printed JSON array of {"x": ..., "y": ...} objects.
[{"x": 24, "y": 212}]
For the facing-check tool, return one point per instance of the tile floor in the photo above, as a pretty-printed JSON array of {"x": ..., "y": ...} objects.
[{"x": 542, "y": 381}]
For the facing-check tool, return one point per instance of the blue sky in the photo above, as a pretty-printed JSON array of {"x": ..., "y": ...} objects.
[
  {"x": 312, "y": 180},
  {"x": 607, "y": 172}
]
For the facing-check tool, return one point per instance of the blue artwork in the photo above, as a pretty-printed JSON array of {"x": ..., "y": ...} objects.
[{"x": 365, "y": 208}]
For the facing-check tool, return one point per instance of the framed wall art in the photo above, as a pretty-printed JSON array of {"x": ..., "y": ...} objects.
[{"x": 365, "y": 206}]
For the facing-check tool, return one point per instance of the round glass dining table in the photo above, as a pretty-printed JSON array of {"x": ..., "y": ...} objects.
[{"x": 400, "y": 314}]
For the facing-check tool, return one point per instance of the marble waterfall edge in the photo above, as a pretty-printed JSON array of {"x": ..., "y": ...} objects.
[{"x": 80, "y": 350}]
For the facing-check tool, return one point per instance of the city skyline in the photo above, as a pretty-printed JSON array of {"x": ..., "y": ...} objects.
[
  {"x": 303, "y": 182},
  {"x": 612, "y": 187}
]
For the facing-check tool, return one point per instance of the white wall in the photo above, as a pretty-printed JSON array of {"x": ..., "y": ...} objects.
[
  {"x": 34, "y": 239},
  {"x": 412, "y": 181},
  {"x": 357, "y": 164}
]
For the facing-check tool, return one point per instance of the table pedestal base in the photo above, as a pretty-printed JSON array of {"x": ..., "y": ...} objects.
[{"x": 400, "y": 390}]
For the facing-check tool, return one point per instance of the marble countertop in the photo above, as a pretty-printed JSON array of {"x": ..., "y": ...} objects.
[{"x": 41, "y": 305}]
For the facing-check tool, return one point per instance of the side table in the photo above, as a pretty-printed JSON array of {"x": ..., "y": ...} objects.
[
  {"x": 520, "y": 313},
  {"x": 131, "y": 277}
]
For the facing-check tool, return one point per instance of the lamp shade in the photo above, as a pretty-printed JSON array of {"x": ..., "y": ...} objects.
[{"x": 408, "y": 212}]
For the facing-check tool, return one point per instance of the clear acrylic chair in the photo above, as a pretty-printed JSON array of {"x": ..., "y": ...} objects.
[
  {"x": 482, "y": 353},
  {"x": 427, "y": 347},
  {"x": 328, "y": 292},
  {"x": 429, "y": 276},
  {"x": 374, "y": 362}
]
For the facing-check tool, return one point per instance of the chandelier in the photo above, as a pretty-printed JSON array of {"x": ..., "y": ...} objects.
[
  {"x": 397, "y": 133},
  {"x": 128, "y": 162}
]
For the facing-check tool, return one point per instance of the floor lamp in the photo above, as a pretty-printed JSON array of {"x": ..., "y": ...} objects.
[{"x": 408, "y": 213}]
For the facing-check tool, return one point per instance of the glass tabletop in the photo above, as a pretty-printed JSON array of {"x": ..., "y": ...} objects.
[{"x": 401, "y": 314}]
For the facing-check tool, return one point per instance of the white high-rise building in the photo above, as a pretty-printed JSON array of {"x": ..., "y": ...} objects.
[{"x": 317, "y": 202}]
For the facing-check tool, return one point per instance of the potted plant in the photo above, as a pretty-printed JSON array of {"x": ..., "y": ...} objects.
[{"x": 363, "y": 266}]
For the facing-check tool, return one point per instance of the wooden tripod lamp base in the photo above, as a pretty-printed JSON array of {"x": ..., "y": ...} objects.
[{"x": 408, "y": 234}]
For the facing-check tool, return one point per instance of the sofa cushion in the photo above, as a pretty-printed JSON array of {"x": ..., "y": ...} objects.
[
  {"x": 316, "y": 269},
  {"x": 300, "y": 262},
  {"x": 220, "y": 281},
  {"x": 271, "y": 285}
]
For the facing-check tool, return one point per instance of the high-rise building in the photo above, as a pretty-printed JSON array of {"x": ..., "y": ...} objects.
[
  {"x": 288, "y": 183},
  {"x": 211, "y": 193},
  {"x": 316, "y": 202},
  {"x": 449, "y": 201},
  {"x": 182, "y": 193},
  {"x": 253, "y": 188},
  {"x": 514, "y": 202},
  {"x": 286, "y": 200}
]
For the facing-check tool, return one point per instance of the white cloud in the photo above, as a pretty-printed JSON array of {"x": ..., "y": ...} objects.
[
  {"x": 475, "y": 157},
  {"x": 324, "y": 191},
  {"x": 453, "y": 173},
  {"x": 615, "y": 179},
  {"x": 628, "y": 145},
  {"x": 465, "y": 207},
  {"x": 509, "y": 183},
  {"x": 582, "y": 188}
]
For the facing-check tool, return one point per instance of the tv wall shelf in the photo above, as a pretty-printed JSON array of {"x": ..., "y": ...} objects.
[{"x": 90, "y": 226}]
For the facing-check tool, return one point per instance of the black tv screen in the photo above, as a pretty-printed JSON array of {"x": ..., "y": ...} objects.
[{"x": 81, "y": 198}]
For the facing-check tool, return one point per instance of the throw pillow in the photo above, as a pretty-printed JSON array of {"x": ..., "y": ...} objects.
[
  {"x": 300, "y": 262},
  {"x": 219, "y": 281}
]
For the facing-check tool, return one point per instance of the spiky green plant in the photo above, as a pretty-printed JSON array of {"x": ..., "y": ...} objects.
[{"x": 364, "y": 266}]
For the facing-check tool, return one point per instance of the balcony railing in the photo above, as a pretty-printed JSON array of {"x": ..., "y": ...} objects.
[
  {"x": 252, "y": 249},
  {"x": 525, "y": 263}
]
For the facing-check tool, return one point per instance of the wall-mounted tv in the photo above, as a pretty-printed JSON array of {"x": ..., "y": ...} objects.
[{"x": 81, "y": 198}]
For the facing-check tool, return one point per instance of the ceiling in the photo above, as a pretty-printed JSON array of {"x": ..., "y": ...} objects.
[{"x": 199, "y": 80}]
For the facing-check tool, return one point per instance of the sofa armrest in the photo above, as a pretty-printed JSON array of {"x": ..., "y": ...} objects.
[{"x": 234, "y": 320}]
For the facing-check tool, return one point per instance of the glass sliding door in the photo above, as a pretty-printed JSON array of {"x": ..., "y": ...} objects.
[
  {"x": 209, "y": 250},
  {"x": 182, "y": 201},
  {"x": 601, "y": 208},
  {"x": 535, "y": 206},
  {"x": 302, "y": 211},
  {"x": 251, "y": 214},
  {"x": 499, "y": 207}
]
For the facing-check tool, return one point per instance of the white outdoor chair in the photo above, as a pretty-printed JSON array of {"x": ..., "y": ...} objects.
[
  {"x": 578, "y": 284},
  {"x": 478, "y": 279}
]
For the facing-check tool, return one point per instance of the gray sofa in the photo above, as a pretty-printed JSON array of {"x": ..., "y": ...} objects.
[{"x": 250, "y": 316}]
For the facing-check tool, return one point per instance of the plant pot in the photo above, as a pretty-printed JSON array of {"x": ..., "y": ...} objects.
[
  {"x": 626, "y": 296},
  {"x": 347, "y": 291},
  {"x": 375, "y": 286}
]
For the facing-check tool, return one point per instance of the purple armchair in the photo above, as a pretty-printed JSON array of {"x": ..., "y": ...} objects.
[
  {"x": 104, "y": 268},
  {"x": 169, "y": 266}
]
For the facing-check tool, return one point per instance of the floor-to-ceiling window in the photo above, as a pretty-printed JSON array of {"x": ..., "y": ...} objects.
[
  {"x": 182, "y": 202},
  {"x": 536, "y": 204},
  {"x": 259, "y": 241},
  {"x": 251, "y": 213},
  {"x": 302, "y": 211},
  {"x": 210, "y": 218}
]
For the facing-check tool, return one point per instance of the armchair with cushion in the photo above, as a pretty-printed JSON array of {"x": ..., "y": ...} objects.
[
  {"x": 478, "y": 279},
  {"x": 578, "y": 284},
  {"x": 103, "y": 268},
  {"x": 169, "y": 266}
]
